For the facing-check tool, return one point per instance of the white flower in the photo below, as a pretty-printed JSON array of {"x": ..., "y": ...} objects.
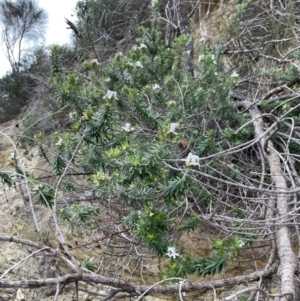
[
  {"x": 200, "y": 58},
  {"x": 213, "y": 59},
  {"x": 241, "y": 244},
  {"x": 139, "y": 64},
  {"x": 110, "y": 94},
  {"x": 173, "y": 127},
  {"x": 142, "y": 45},
  {"x": 127, "y": 128},
  {"x": 95, "y": 62},
  {"x": 192, "y": 160},
  {"x": 171, "y": 103},
  {"x": 156, "y": 87},
  {"x": 172, "y": 252},
  {"x": 59, "y": 142},
  {"x": 72, "y": 115},
  {"x": 234, "y": 74}
]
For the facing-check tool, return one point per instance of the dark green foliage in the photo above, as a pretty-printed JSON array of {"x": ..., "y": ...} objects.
[
  {"x": 14, "y": 94},
  {"x": 294, "y": 147},
  {"x": 58, "y": 164},
  {"x": 44, "y": 195},
  {"x": 23, "y": 23},
  {"x": 151, "y": 225},
  {"x": 19, "y": 170},
  {"x": 146, "y": 90},
  {"x": 174, "y": 188},
  {"x": 291, "y": 74},
  {"x": 244, "y": 297},
  {"x": 190, "y": 224},
  {"x": 79, "y": 216},
  {"x": 42, "y": 153},
  {"x": 210, "y": 265},
  {"x": 7, "y": 178},
  {"x": 182, "y": 267},
  {"x": 249, "y": 237},
  {"x": 132, "y": 115}
]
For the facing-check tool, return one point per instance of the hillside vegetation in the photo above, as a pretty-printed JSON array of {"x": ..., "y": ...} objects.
[{"x": 168, "y": 146}]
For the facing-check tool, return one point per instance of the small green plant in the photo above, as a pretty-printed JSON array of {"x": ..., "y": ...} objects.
[
  {"x": 17, "y": 230},
  {"x": 244, "y": 297},
  {"x": 89, "y": 264}
]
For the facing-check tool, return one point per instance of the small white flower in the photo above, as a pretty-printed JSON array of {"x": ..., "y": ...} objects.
[
  {"x": 216, "y": 73},
  {"x": 213, "y": 59},
  {"x": 172, "y": 252},
  {"x": 95, "y": 62},
  {"x": 110, "y": 94},
  {"x": 59, "y": 142},
  {"x": 200, "y": 58},
  {"x": 173, "y": 127},
  {"x": 127, "y": 128},
  {"x": 142, "y": 45},
  {"x": 171, "y": 103},
  {"x": 241, "y": 244},
  {"x": 156, "y": 87},
  {"x": 234, "y": 74},
  {"x": 37, "y": 187},
  {"x": 192, "y": 160},
  {"x": 72, "y": 115},
  {"x": 139, "y": 64}
]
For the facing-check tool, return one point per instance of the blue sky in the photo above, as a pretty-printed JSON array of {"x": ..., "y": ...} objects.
[{"x": 57, "y": 31}]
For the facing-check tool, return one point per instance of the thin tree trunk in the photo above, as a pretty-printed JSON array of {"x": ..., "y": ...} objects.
[{"x": 288, "y": 261}]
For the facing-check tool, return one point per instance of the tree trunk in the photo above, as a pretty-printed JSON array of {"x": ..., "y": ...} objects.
[{"x": 288, "y": 261}]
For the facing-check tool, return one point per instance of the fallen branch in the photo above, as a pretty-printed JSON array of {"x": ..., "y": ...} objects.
[{"x": 280, "y": 89}]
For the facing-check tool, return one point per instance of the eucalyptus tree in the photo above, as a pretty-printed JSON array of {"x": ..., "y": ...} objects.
[{"x": 23, "y": 25}]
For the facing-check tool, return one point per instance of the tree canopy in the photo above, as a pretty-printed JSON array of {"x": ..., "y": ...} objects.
[{"x": 23, "y": 25}]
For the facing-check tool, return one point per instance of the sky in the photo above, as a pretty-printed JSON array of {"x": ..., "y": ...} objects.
[{"x": 57, "y": 31}]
